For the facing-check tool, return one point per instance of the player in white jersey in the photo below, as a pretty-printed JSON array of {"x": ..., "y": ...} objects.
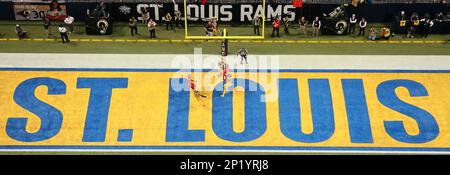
[{"x": 243, "y": 53}]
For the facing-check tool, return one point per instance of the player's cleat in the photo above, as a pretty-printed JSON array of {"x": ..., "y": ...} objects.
[{"x": 198, "y": 94}]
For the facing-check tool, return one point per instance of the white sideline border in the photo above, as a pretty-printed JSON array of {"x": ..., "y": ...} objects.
[{"x": 164, "y": 61}]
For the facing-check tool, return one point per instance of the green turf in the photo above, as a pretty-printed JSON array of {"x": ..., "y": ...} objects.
[
  {"x": 121, "y": 30},
  {"x": 213, "y": 48}
]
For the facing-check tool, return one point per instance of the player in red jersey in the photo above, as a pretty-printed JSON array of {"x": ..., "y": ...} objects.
[
  {"x": 225, "y": 77},
  {"x": 221, "y": 65},
  {"x": 225, "y": 73},
  {"x": 193, "y": 87}
]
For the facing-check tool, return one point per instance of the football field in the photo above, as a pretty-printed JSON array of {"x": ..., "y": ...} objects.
[
  {"x": 298, "y": 94},
  {"x": 59, "y": 103}
]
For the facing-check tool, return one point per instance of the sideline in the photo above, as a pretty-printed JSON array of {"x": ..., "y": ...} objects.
[{"x": 232, "y": 41}]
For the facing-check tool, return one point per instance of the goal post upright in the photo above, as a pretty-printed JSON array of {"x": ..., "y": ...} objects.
[
  {"x": 185, "y": 19},
  {"x": 262, "y": 36},
  {"x": 263, "y": 17}
]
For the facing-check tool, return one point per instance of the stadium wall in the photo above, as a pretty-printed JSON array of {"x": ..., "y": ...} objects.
[
  {"x": 123, "y": 11},
  {"x": 372, "y": 12},
  {"x": 6, "y": 10}
]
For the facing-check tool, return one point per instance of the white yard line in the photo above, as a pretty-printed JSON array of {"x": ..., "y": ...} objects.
[{"x": 167, "y": 61}]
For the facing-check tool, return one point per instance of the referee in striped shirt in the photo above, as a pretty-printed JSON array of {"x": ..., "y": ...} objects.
[{"x": 63, "y": 33}]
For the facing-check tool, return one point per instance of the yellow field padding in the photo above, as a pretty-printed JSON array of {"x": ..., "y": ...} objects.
[{"x": 233, "y": 39}]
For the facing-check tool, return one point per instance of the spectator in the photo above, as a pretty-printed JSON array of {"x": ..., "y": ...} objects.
[
  {"x": 303, "y": 22},
  {"x": 373, "y": 34},
  {"x": 21, "y": 33},
  {"x": 352, "y": 25},
  {"x": 133, "y": 26},
  {"x": 316, "y": 24},
  {"x": 276, "y": 27},
  {"x": 47, "y": 27},
  {"x": 256, "y": 24},
  {"x": 152, "y": 28},
  {"x": 168, "y": 19},
  {"x": 177, "y": 18},
  {"x": 69, "y": 22},
  {"x": 286, "y": 24},
  {"x": 63, "y": 33},
  {"x": 362, "y": 27}
]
